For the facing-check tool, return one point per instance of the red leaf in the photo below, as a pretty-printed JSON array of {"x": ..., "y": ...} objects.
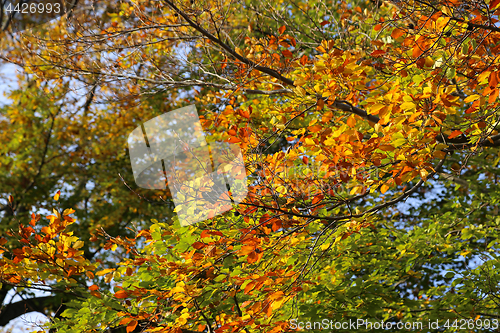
[
  {"x": 378, "y": 27},
  {"x": 454, "y": 134},
  {"x": 377, "y": 53},
  {"x": 287, "y": 54},
  {"x": 198, "y": 245},
  {"x": 325, "y": 23},
  {"x": 282, "y": 29},
  {"x": 207, "y": 233},
  {"x": 494, "y": 4}
]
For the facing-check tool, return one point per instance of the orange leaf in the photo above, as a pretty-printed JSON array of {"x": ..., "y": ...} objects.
[
  {"x": 249, "y": 287},
  {"x": 396, "y": 33},
  {"x": 454, "y": 134},
  {"x": 493, "y": 81},
  {"x": 131, "y": 326},
  {"x": 125, "y": 321},
  {"x": 94, "y": 287},
  {"x": 384, "y": 188},
  {"x": 11, "y": 198},
  {"x": 121, "y": 294},
  {"x": 245, "y": 113},
  {"x": 493, "y": 96},
  {"x": 303, "y": 60},
  {"x": 321, "y": 49},
  {"x": 282, "y": 29},
  {"x": 324, "y": 23},
  {"x": 320, "y": 104},
  {"x": 287, "y": 54},
  {"x": 95, "y": 294},
  {"x": 233, "y": 140},
  {"x": 418, "y": 50},
  {"x": 378, "y": 27},
  {"x": 317, "y": 199},
  {"x": 254, "y": 257},
  {"x": 351, "y": 121}
]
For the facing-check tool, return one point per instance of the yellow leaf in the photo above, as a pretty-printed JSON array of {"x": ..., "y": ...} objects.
[
  {"x": 299, "y": 82},
  {"x": 429, "y": 62},
  {"x": 446, "y": 11},
  {"x": 68, "y": 211},
  {"x": 77, "y": 245},
  {"x": 281, "y": 189},
  {"x": 384, "y": 188},
  {"x": 300, "y": 91},
  {"x": 471, "y": 98},
  {"x": 483, "y": 77},
  {"x": 105, "y": 271},
  {"x": 356, "y": 189},
  {"x": 398, "y": 139},
  {"x": 464, "y": 253},
  {"x": 58, "y": 215},
  {"x": 56, "y": 197},
  {"x": 310, "y": 141},
  {"x": 375, "y": 108},
  {"x": 407, "y": 106},
  {"x": 177, "y": 290}
]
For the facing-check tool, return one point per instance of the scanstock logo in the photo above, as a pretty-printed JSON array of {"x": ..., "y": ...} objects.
[{"x": 171, "y": 151}]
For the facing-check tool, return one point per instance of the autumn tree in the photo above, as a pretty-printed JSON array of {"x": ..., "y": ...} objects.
[{"x": 344, "y": 110}]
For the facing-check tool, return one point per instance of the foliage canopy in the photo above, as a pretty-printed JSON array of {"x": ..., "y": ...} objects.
[{"x": 343, "y": 110}]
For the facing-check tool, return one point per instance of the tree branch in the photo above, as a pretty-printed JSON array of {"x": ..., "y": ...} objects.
[
  {"x": 16, "y": 309},
  {"x": 341, "y": 105}
]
